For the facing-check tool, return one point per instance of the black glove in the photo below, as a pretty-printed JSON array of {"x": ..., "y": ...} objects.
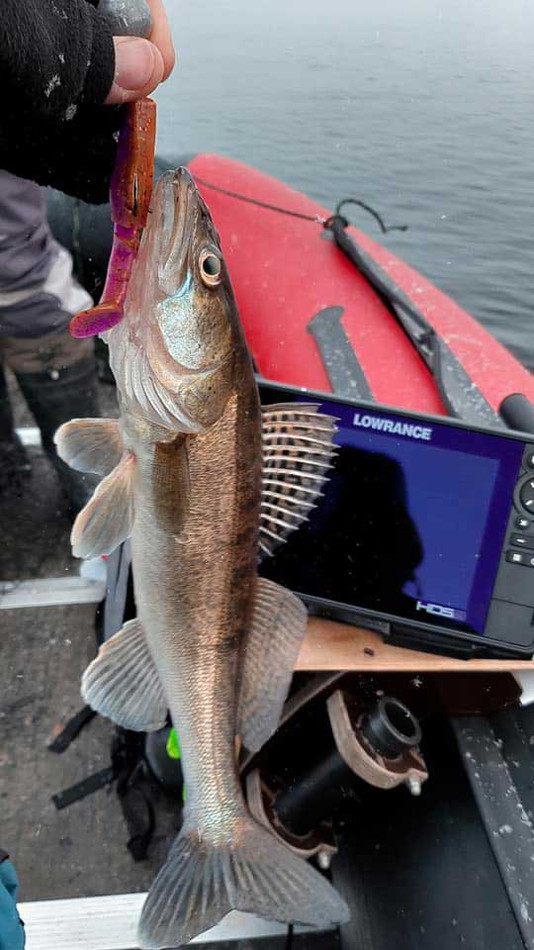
[{"x": 57, "y": 62}]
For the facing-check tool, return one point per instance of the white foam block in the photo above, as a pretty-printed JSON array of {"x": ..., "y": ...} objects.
[
  {"x": 51, "y": 592},
  {"x": 526, "y": 681},
  {"x": 110, "y": 923}
]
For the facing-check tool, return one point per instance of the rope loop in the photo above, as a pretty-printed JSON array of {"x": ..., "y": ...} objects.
[
  {"x": 378, "y": 218},
  {"x": 314, "y": 218}
]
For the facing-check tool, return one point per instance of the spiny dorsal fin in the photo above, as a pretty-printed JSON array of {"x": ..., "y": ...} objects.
[
  {"x": 107, "y": 518},
  {"x": 123, "y": 683},
  {"x": 90, "y": 445},
  {"x": 297, "y": 454},
  {"x": 277, "y": 629}
]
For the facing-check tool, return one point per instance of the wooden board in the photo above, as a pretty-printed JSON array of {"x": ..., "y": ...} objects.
[{"x": 339, "y": 646}]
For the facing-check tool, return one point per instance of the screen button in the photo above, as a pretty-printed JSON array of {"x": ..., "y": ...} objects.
[
  {"x": 523, "y": 523},
  {"x": 523, "y": 541},
  {"x": 520, "y": 557},
  {"x": 527, "y": 495}
]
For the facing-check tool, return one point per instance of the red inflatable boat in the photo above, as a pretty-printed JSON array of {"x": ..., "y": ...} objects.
[
  {"x": 323, "y": 306},
  {"x": 311, "y": 317}
]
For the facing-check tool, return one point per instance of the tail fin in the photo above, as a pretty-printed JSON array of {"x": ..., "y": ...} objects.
[{"x": 200, "y": 883}]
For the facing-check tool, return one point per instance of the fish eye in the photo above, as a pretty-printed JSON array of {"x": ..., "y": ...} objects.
[{"x": 210, "y": 268}]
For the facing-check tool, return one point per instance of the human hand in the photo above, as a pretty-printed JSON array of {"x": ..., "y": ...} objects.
[{"x": 142, "y": 64}]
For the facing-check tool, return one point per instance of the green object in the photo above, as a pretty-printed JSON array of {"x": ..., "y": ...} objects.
[{"x": 173, "y": 749}]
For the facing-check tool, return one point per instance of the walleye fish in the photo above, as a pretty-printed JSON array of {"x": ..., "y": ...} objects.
[{"x": 200, "y": 479}]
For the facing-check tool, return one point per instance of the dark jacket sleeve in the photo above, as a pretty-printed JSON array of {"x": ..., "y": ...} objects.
[{"x": 56, "y": 68}]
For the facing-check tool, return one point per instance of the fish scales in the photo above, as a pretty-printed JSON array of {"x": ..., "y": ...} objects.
[{"x": 196, "y": 627}]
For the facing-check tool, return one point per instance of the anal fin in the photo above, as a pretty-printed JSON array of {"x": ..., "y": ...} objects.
[
  {"x": 273, "y": 644},
  {"x": 123, "y": 683},
  {"x": 90, "y": 445},
  {"x": 107, "y": 518}
]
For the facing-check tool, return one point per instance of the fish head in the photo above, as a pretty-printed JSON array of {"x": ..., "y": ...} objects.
[{"x": 174, "y": 353}]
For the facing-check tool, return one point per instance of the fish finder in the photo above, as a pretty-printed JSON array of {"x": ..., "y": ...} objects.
[{"x": 425, "y": 531}]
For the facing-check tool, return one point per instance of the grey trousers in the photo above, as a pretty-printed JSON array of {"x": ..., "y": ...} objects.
[{"x": 38, "y": 292}]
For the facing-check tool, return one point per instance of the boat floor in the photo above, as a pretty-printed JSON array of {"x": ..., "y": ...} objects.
[{"x": 80, "y": 851}]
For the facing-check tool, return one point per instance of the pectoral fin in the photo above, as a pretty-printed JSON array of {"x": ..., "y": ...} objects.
[
  {"x": 107, "y": 518},
  {"x": 277, "y": 630},
  {"x": 90, "y": 445},
  {"x": 123, "y": 683},
  {"x": 298, "y": 451}
]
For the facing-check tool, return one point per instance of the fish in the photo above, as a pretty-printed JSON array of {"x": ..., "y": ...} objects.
[{"x": 203, "y": 481}]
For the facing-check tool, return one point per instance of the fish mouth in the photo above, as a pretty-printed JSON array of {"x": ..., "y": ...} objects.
[{"x": 184, "y": 221}]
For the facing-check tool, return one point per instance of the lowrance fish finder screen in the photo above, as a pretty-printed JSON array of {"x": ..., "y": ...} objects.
[{"x": 412, "y": 521}]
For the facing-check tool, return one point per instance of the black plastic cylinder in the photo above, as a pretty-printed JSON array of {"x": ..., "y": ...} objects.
[
  {"x": 315, "y": 794},
  {"x": 390, "y": 728}
]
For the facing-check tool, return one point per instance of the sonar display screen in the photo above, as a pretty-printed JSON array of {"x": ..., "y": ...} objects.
[{"x": 412, "y": 521}]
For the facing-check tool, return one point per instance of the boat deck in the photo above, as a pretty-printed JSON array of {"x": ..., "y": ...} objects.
[{"x": 80, "y": 851}]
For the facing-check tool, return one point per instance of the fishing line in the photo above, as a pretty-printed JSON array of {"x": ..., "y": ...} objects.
[
  {"x": 317, "y": 219},
  {"x": 314, "y": 218}
]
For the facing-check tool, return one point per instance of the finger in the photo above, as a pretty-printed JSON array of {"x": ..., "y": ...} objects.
[
  {"x": 139, "y": 69},
  {"x": 160, "y": 35}
]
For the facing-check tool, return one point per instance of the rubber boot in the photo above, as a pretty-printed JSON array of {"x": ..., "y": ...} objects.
[
  {"x": 15, "y": 466},
  {"x": 55, "y": 397}
]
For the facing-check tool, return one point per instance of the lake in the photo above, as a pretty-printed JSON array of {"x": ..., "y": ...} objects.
[{"x": 422, "y": 109}]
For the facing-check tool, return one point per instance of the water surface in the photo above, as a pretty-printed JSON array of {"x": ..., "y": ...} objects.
[{"x": 423, "y": 109}]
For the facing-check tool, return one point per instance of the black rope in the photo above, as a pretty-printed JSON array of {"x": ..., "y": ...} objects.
[
  {"x": 380, "y": 221},
  {"x": 315, "y": 218}
]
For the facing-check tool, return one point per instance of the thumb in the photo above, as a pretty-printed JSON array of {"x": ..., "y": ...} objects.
[{"x": 139, "y": 68}]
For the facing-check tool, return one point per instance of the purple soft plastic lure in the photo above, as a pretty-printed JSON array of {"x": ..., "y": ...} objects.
[{"x": 130, "y": 192}]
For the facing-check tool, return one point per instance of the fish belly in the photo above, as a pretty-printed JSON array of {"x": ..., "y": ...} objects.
[{"x": 194, "y": 592}]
